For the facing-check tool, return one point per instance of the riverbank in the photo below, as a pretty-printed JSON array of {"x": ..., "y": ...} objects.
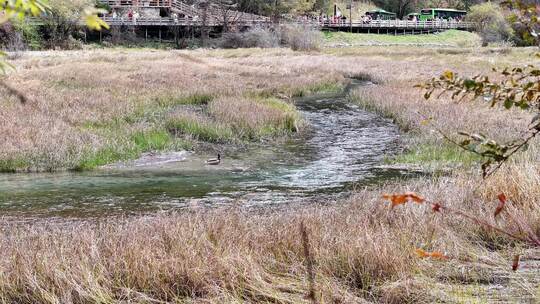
[
  {"x": 114, "y": 105},
  {"x": 357, "y": 249}
]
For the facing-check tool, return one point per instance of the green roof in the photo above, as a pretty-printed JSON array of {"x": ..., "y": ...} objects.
[
  {"x": 381, "y": 11},
  {"x": 444, "y": 9}
]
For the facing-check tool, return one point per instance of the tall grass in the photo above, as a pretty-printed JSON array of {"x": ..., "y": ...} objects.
[
  {"x": 359, "y": 250},
  {"x": 254, "y": 119},
  {"x": 199, "y": 127},
  {"x": 208, "y": 257}
]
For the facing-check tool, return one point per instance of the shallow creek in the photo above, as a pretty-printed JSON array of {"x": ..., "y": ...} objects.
[{"x": 343, "y": 149}]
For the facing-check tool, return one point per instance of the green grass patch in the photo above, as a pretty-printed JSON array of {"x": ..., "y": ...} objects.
[
  {"x": 122, "y": 147},
  {"x": 318, "y": 88},
  {"x": 195, "y": 99},
  {"x": 12, "y": 165},
  {"x": 450, "y": 37},
  {"x": 153, "y": 140},
  {"x": 291, "y": 119},
  {"x": 106, "y": 155},
  {"x": 436, "y": 155},
  {"x": 199, "y": 129}
]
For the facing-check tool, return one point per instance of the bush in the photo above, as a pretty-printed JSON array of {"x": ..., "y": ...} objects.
[
  {"x": 10, "y": 38},
  {"x": 301, "y": 38},
  {"x": 30, "y": 34},
  {"x": 60, "y": 23},
  {"x": 298, "y": 38},
  {"x": 261, "y": 37},
  {"x": 491, "y": 24},
  {"x": 522, "y": 32}
]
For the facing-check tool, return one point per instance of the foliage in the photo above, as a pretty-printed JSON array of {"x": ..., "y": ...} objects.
[
  {"x": 255, "y": 37},
  {"x": 301, "y": 38},
  {"x": 491, "y": 24},
  {"x": 21, "y": 8},
  {"x": 61, "y": 21},
  {"x": 517, "y": 88},
  {"x": 527, "y": 235},
  {"x": 30, "y": 34},
  {"x": 524, "y": 21}
]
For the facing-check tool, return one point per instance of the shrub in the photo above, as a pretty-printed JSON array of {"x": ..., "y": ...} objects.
[
  {"x": 10, "y": 38},
  {"x": 261, "y": 37},
  {"x": 30, "y": 34},
  {"x": 301, "y": 38},
  {"x": 298, "y": 38},
  {"x": 491, "y": 24},
  {"x": 60, "y": 24}
]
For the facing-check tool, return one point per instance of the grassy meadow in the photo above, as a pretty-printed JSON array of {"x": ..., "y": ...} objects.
[{"x": 88, "y": 108}]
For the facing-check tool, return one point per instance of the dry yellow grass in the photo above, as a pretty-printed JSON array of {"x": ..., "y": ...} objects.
[{"x": 362, "y": 251}]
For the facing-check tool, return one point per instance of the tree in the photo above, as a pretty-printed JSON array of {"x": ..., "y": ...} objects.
[
  {"x": 490, "y": 23},
  {"x": 400, "y": 7},
  {"x": 227, "y": 11}
]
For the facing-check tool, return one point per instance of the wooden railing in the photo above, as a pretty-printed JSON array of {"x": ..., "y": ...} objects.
[
  {"x": 396, "y": 24},
  {"x": 140, "y": 3},
  {"x": 376, "y": 24},
  {"x": 187, "y": 21}
]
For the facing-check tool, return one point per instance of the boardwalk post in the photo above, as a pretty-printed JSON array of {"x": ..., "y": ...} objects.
[
  {"x": 146, "y": 34},
  {"x": 350, "y": 15}
]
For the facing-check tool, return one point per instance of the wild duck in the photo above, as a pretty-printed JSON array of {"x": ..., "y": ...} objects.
[{"x": 214, "y": 161}]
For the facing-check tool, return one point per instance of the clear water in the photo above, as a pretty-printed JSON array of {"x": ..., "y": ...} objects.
[{"x": 343, "y": 149}]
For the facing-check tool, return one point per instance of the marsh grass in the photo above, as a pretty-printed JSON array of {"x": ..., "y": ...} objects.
[
  {"x": 199, "y": 127},
  {"x": 436, "y": 155},
  {"x": 207, "y": 257},
  {"x": 100, "y": 104},
  {"x": 361, "y": 251}
]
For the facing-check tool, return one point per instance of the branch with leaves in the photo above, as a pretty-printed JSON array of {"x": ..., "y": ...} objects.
[
  {"x": 527, "y": 235},
  {"x": 516, "y": 88}
]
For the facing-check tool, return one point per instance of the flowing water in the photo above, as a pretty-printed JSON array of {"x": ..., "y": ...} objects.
[{"x": 343, "y": 149}]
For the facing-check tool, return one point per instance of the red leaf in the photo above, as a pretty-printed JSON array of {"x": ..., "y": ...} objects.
[
  {"x": 436, "y": 207},
  {"x": 434, "y": 255},
  {"x": 515, "y": 264},
  {"x": 502, "y": 203},
  {"x": 400, "y": 199}
]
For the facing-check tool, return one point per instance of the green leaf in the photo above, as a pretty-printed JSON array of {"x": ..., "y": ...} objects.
[{"x": 508, "y": 103}]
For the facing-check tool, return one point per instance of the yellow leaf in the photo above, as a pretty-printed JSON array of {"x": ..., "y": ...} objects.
[
  {"x": 92, "y": 20},
  {"x": 448, "y": 75}
]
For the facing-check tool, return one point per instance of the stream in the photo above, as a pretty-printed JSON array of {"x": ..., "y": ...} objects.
[{"x": 343, "y": 149}]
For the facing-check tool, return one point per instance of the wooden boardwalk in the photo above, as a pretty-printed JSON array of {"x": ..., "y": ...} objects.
[
  {"x": 397, "y": 26},
  {"x": 181, "y": 15},
  {"x": 184, "y": 15},
  {"x": 376, "y": 26}
]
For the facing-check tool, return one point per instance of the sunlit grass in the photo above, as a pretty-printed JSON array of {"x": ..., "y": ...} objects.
[{"x": 447, "y": 38}]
